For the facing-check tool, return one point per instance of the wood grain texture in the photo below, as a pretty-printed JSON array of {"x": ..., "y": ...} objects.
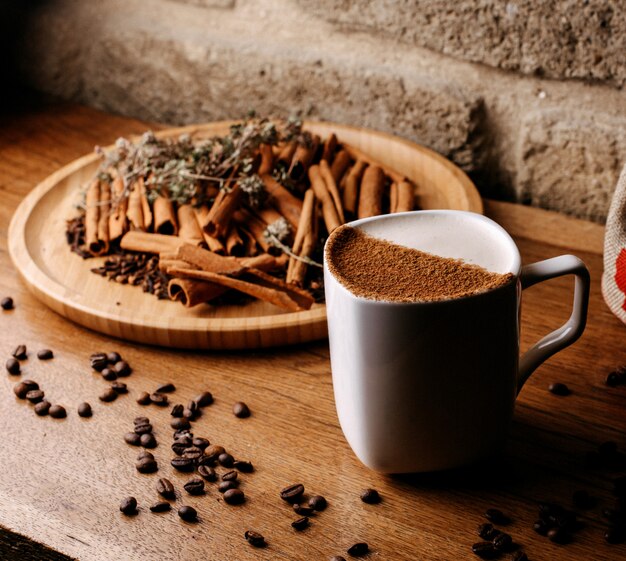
[
  {"x": 62, "y": 480},
  {"x": 64, "y": 282}
]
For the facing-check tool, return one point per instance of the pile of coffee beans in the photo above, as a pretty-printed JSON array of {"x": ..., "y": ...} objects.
[
  {"x": 496, "y": 542},
  {"x": 110, "y": 365}
]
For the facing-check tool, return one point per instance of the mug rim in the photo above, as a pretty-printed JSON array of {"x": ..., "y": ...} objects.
[{"x": 517, "y": 260}]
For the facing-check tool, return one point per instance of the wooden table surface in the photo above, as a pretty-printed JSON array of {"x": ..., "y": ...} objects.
[{"x": 61, "y": 481}]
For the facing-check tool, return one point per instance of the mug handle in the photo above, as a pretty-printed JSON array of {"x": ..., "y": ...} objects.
[{"x": 573, "y": 328}]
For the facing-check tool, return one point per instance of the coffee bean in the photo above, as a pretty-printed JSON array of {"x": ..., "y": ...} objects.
[
  {"x": 148, "y": 441},
  {"x": 485, "y": 550},
  {"x": 45, "y": 354},
  {"x": 241, "y": 410},
  {"x": 180, "y": 424},
  {"x": 166, "y": 388},
  {"x": 141, "y": 421},
  {"x": 243, "y": 466},
  {"x": 147, "y": 465},
  {"x": 557, "y": 388},
  {"x": 559, "y": 535},
  {"x": 254, "y": 538},
  {"x": 122, "y": 368},
  {"x": 519, "y": 556},
  {"x": 24, "y": 387},
  {"x": 615, "y": 535},
  {"x": 113, "y": 357},
  {"x": 317, "y": 502},
  {"x": 7, "y": 303},
  {"x": 226, "y": 460},
  {"x": 205, "y": 460},
  {"x": 108, "y": 395},
  {"x": 13, "y": 366},
  {"x": 98, "y": 361},
  {"x": 225, "y": 486},
  {"x": 193, "y": 406},
  {"x": 159, "y": 399},
  {"x": 200, "y": 442},
  {"x": 184, "y": 437},
  {"x": 144, "y": 398},
  {"x": 230, "y": 475},
  {"x": 487, "y": 531},
  {"x": 207, "y": 472},
  {"x": 615, "y": 516},
  {"x": 132, "y": 438},
  {"x": 541, "y": 527},
  {"x": 194, "y": 486},
  {"x": 204, "y": 399},
  {"x": 42, "y": 408},
  {"x": 84, "y": 410},
  {"x": 143, "y": 429},
  {"x": 165, "y": 488},
  {"x": 161, "y": 506},
  {"x": 145, "y": 454},
  {"x": 502, "y": 542},
  {"x": 370, "y": 496},
  {"x": 213, "y": 451},
  {"x": 20, "y": 352},
  {"x": 179, "y": 448},
  {"x": 234, "y": 497},
  {"x": 119, "y": 387},
  {"x": 128, "y": 506},
  {"x": 183, "y": 464},
  {"x": 497, "y": 517},
  {"x": 192, "y": 453},
  {"x": 188, "y": 513},
  {"x": 58, "y": 412},
  {"x": 582, "y": 499},
  {"x": 358, "y": 549},
  {"x": 303, "y": 510},
  {"x": 300, "y": 524},
  {"x": 615, "y": 378},
  {"x": 109, "y": 375},
  {"x": 190, "y": 415},
  {"x": 177, "y": 410},
  {"x": 292, "y": 493},
  {"x": 35, "y": 396}
]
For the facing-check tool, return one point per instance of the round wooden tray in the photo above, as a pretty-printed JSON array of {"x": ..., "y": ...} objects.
[{"x": 63, "y": 281}]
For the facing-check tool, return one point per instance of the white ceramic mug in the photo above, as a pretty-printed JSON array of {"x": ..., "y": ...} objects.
[{"x": 432, "y": 385}]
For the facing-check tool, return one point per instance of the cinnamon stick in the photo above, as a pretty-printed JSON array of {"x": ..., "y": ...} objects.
[
  {"x": 117, "y": 219},
  {"x": 302, "y": 158},
  {"x": 255, "y": 226},
  {"x": 188, "y": 228},
  {"x": 268, "y": 214},
  {"x": 372, "y": 188},
  {"x": 286, "y": 203},
  {"x": 218, "y": 220},
  {"x": 234, "y": 243},
  {"x": 406, "y": 197},
  {"x": 286, "y": 154},
  {"x": 330, "y": 144},
  {"x": 331, "y": 185},
  {"x": 164, "y": 216},
  {"x": 329, "y": 211},
  {"x": 207, "y": 260},
  {"x": 340, "y": 165},
  {"x": 304, "y": 242},
  {"x": 92, "y": 215},
  {"x": 103, "y": 218},
  {"x": 215, "y": 245},
  {"x": 191, "y": 292},
  {"x": 267, "y": 159},
  {"x": 134, "y": 212},
  {"x": 358, "y": 154},
  {"x": 146, "y": 211},
  {"x": 145, "y": 242},
  {"x": 351, "y": 191}
]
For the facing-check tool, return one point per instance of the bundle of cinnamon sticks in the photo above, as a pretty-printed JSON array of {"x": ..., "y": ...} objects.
[{"x": 257, "y": 229}]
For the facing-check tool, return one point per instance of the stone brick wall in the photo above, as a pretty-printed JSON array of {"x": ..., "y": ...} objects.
[{"x": 525, "y": 96}]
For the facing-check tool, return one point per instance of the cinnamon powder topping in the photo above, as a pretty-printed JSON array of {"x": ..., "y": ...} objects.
[{"x": 380, "y": 270}]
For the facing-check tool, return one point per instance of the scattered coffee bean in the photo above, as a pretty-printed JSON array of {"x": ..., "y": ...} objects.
[
  {"x": 144, "y": 398},
  {"x": 42, "y": 408},
  {"x": 24, "y": 387},
  {"x": 582, "y": 499},
  {"x": 303, "y": 510},
  {"x": 213, "y": 452},
  {"x": 145, "y": 454},
  {"x": 98, "y": 361},
  {"x": 143, "y": 429},
  {"x": 234, "y": 496},
  {"x": 487, "y": 531},
  {"x": 370, "y": 496},
  {"x": 300, "y": 524},
  {"x": 254, "y": 538},
  {"x": 147, "y": 465},
  {"x": 614, "y": 516},
  {"x": 122, "y": 368},
  {"x": 119, "y": 387},
  {"x": 45, "y": 354},
  {"x": 226, "y": 460},
  {"x": 180, "y": 424},
  {"x": 615, "y": 378},
  {"x": 358, "y": 549},
  {"x": 241, "y": 410},
  {"x": 243, "y": 466},
  {"x": 207, "y": 472},
  {"x": 166, "y": 388},
  {"x": 558, "y": 535},
  {"x": 225, "y": 486},
  {"x": 541, "y": 527},
  {"x": 502, "y": 542},
  {"x": 557, "y": 388},
  {"x": 128, "y": 506},
  {"x": 58, "y": 412},
  {"x": 519, "y": 556},
  {"x": 230, "y": 475},
  {"x": 193, "y": 453},
  {"x": 200, "y": 442},
  {"x": 13, "y": 366},
  {"x": 485, "y": 550},
  {"x": 179, "y": 448},
  {"x": 204, "y": 399},
  {"x": 84, "y": 410},
  {"x": 177, "y": 410},
  {"x": 317, "y": 503},
  {"x": 188, "y": 513},
  {"x": 20, "y": 352},
  {"x": 132, "y": 438},
  {"x": 108, "y": 395},
  {"x": 109, "y": 375},
  {"x": 7, "y": 303},
  {"x": 190, "y": 415},
  {"x": 183, "y": 464},
  {"x": 161, "y": 506},
  {"x": 147, "y": 440},
  {"x": 194, "y": 486},
  {"x": 159, "y": 399},
  {"x": 615, "y": 535},
  {"x": 141, "y": 421},
  {"x": 496, "y": 516},
  {"x": 292, "y": 493},
  {"x": 113, "y": 357},
  {"x": 192, "y": 406},
  {"x": 165, "y": 488},
  {"x": 184, "y": 437},
  {"x": 35, "y": 396}
]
